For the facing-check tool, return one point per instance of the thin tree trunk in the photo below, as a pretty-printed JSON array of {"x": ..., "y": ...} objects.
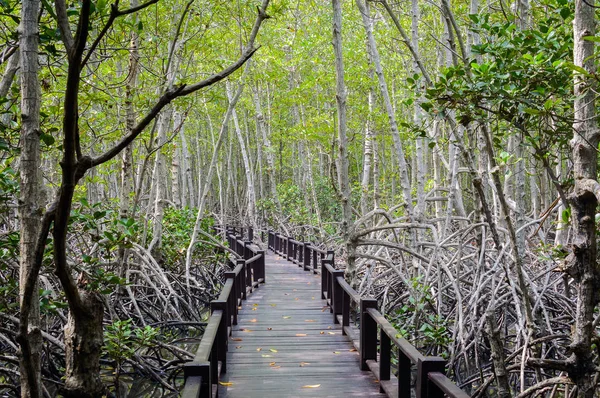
[
  {"x": 583, "y": 260},
  {"x": 250, "y": 193},
  {"x": 341, "y": 95},
  {"x": 402, "y": 165},
  {"x": 30, "y": 337}
]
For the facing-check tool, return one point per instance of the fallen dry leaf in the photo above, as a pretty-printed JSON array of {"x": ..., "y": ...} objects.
[
  {"x": 273, "y": 305},
  {"x": 272, "y": 364},
  {"x": 336, "y": 352},
  {"x": 236, "y": 339},
  {"x": 275, "y": 367},
  {"x": 352, "y": 350},
  {"x": 226, "y": 383},
  {"x": 269, "y": 328},
  {"x": 245, "y": 330},
  {"x": 255, "y": 305},
  {"x": 330, "y": 332},
  {"x": 296, "y": 299},
  {"x": 303, "y": 364},
  {"x": 266, "y": 356},
  {"x": 259, "y": 349},
  {"x": 286, "y": 317},
  {"x": 272, "y": 350},
  {"x": 239, "y": 308},
  {"x": 328, "y": 327},
  {"x": 254, "y": 309},
  {"x": 309, "y": 320},
  {"x": 253, "y": 320},
  {"x": 300, "y": 334},
  {"x": 312, "y": 386},
  {"x": 237, "y": 347}
]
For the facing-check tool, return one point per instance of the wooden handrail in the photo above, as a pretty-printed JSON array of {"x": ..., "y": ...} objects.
[{"x": 202, "y": 374}]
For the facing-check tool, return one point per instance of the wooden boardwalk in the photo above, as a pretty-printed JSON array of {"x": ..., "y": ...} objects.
[{"x": 286, "y": 345}]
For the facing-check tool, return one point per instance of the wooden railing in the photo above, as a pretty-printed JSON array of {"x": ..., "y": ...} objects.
[
  {"x": 431, "y": 381},
  {"x": 202, "y": 374}
]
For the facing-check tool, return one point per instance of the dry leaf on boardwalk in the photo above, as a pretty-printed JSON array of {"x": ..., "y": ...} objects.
[
  {"x": 226, "y": 383},
  {"x": 312, "y": 386}
]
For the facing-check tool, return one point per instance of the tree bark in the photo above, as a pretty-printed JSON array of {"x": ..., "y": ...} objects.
[
  {"x": 582, "y": 262},
  {"x": 30, "y": 206}
]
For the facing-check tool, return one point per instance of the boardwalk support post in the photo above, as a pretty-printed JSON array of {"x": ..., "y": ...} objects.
[
  {"x": 427, "y": 365},
  {"x": 232, "y": 300},
  {"x": 368, "y": 333},
  {"x": 201, "y": 370},
  {"x": 306, "y": 256},
  {"x": 222, "y": 337},
  {"x": 242, "y": 262},
  {"x": 259, "y": 268},
  {"x": 337, "y": 294}
]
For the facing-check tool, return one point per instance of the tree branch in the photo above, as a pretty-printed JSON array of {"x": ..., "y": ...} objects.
[
  {"x": 114, "y": 14},
  {"x": 63, "y": 24}
]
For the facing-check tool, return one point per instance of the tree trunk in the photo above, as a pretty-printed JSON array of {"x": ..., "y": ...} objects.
[
  {"x": 83, "y": 346},
  {"x": 583, "y": 259},
  {"x": 343, "y": 179},
  {"x": 30, "y": 206},
  {"x": 402, "y": 165},
  {"x": 250, "y": 193}
]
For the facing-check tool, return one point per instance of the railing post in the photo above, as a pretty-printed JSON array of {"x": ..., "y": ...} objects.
[
  {"x": 203, "y": 370},
  {"x": 248, "y": 254},
  {"x": 336, "y": 298},
  {"x": 232, "y": 299},
  {"x": 244, "y": 280},
  {"x": 259, "y": 268},
  {"x": 404, "y": 374},
  {"x": 315, "y": 261},
  {"x": 301, "y": 254},
  {"x": 427, "y": 365},
  {"x": 289, "y": 248},
  {"x": 324, "y": 279},
  {"x": 384, "y": 358},
  {"x": 250, "y": 234},
  {"x": 368, "y": 333},
  {"x": 222, "y": 337},
  {"x": 345, "y": 311},
  {"x": 306, "y": 256}
]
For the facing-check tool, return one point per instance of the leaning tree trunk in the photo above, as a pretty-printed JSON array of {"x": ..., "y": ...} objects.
[
  {"x": 583, "y": 264},
  {"x": 30, "y": 338},
  {"x": 375, "y": 58}
]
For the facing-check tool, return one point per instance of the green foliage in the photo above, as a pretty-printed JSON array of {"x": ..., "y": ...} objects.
[
  {"x": 122, "y": 339},
  {"x": 177, "y": 227},
  {"x": 418, "y": 322},
  {"x": 523, "y": 78}
]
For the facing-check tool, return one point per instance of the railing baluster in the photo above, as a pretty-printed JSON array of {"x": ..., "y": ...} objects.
[
  {"x": 368, "y": 333},
  {"x": 306, "y": 256},
  {"x": 336, "y": 292},
  {"x": 426, "y": 389},
  {"x": 384, "y": 358}
]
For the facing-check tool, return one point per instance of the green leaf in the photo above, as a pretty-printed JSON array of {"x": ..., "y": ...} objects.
[
  {"x": 47, "y": 139},
  {"x": 592, "y": 38}
]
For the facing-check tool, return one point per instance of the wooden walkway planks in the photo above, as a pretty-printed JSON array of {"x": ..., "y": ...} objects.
[{"x": 285, "y": 340}]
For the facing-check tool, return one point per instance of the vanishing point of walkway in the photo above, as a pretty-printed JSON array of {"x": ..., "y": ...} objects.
[{"x": 286, "y": 345}]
